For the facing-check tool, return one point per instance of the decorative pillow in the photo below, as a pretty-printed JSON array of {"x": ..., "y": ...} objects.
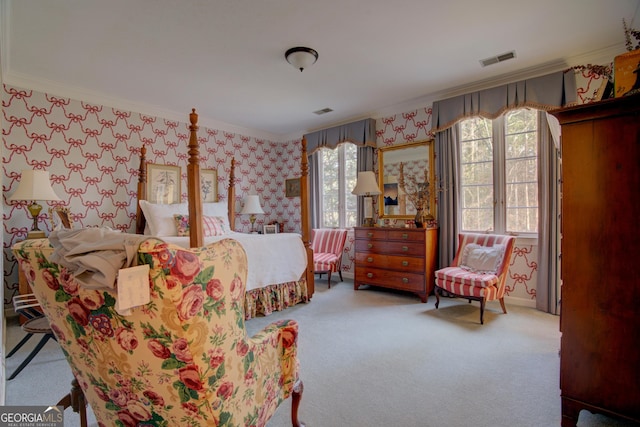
[
  {"x": 218, "y": 209},
  {"x": 482, "y": 259},
  {"x": 160, "y": 217},
  {"x": 211, "y": 225}
]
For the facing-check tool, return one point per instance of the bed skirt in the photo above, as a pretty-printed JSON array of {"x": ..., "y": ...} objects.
[{"x": 264, "y": 301}]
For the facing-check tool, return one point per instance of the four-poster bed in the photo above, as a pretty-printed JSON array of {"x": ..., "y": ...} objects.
[{"x": 277, "y": 278}]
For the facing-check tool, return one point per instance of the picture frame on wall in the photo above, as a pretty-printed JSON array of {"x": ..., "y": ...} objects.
[
  {"x": 209, "y": 185},
  {"x": 270, "y": 229},
  {"x": 292, "y": 187},
  {"x": 163, "y": 183}
]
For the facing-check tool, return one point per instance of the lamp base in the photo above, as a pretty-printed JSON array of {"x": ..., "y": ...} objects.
[
  {"x": 368, "y": 222},
  {"x": 36, "y": 234}
]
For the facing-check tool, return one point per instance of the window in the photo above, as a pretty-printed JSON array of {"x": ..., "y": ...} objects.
[
  {"x": 499, "y": 173},
  {"x": 338, "y": 173}
]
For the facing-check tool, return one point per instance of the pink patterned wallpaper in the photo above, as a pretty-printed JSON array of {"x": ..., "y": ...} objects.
[
  {"x": 92, "y": 155},
  {"x": 92, "y": 151}
]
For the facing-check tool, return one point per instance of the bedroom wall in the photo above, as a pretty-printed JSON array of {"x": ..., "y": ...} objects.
[
  {"x": 414, "y": 126},
  {"x": 92, "y": 154}
]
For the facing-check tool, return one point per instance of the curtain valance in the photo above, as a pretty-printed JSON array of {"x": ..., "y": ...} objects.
[
  {"x": 544, "y": 93},
  {"x": 362, "y": 133}
]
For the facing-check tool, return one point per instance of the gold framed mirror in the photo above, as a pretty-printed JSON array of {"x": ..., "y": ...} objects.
[{"x": 418, "y": 161}]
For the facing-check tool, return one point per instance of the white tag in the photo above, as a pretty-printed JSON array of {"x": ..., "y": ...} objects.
[{"x": 133, "y": 288}]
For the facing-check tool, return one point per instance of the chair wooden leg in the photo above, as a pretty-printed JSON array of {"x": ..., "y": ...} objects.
[
  {"x": 482, "y": 302},
  {"x": 298, "y": 388},
  {"x": 329, "y": 278},
  {"x": 75, "y": 400},
  {"x": 340, "y": 273},
  {"x": 436, "y": 291},
  {"x": 504, "y": 309}
]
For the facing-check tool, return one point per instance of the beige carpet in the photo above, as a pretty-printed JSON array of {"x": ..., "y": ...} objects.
[{"x": 379, "y": 358}]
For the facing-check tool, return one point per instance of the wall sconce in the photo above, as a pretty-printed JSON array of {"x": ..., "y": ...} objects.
[
  {"x": 252, "y": 207},
  {"x": 367, "y": 186},
  {"x": 301, "y": 57},
  {"x": 34, "y": 185}
]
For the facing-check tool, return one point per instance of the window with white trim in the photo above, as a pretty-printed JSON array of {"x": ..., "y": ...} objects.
[
  {"x": 499, "y": 173},
  {"x": 338, "y": 174}
]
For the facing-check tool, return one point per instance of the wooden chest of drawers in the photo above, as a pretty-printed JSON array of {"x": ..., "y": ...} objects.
[{"x": 398, "y": 258}]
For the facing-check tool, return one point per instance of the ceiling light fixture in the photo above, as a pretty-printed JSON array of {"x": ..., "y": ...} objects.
[{"x": 301, "y": 57}]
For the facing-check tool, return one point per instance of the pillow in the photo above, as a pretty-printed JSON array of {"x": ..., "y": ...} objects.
[
  {"x": 218, "y": 209},
  {"x": 482, "y": 259},
  {"x": 160, "y": 217},
  {"x": 211, "y": 225}
]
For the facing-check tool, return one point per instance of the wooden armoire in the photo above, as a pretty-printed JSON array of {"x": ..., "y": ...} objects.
[{"x": 600, "y": 261}]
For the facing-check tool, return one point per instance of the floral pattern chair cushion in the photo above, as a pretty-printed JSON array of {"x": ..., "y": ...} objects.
[{"x": 184, "y": 359}]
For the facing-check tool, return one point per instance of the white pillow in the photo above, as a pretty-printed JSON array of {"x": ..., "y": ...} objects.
[
  {"x": 218, "y": 209},
  {"x": 482, "y": 259},
  {"x": 160, "y": 217}
]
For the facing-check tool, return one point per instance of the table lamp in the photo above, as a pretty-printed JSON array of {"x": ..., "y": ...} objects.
[
  {"x": 367, "y": 186},
  {"x": 34, "y": 185},
  {"x": 252, "y": 207}
]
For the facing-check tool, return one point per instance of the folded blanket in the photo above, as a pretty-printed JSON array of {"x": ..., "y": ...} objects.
[{"x": 94, "y": 255}]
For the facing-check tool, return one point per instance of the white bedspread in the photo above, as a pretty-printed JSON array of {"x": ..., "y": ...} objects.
[{"x": 273, "y": 258}]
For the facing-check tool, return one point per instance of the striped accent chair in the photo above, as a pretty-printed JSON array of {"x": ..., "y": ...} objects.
[
  {"x": 328, "y": 246},
  {"x": 478, "y": 271}
]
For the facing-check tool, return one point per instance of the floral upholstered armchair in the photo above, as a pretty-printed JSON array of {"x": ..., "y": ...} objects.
[{"x": 183, "y": 359}]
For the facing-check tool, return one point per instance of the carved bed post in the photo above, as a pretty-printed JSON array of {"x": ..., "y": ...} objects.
[
  {"x": 193, "y": 184},
  {"x": 142, "y": 190},
  {"x": 231, "y": 195},
  {"x": 305, "y": 216}
]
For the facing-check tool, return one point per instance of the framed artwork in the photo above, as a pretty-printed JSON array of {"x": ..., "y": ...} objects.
[
  {"x": 209, "y": 185},
  {"x": 270, "y": 229},
  {"x": 163, "y": 184},
  {"x": 60, "y": 218},
  {"x": 292, "y": 187}
]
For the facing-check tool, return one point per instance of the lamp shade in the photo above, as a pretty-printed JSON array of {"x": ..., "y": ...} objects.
[
  {"x": 252, "y": 205},
  {"x": 366, "y": 184},
  {"x": 34, "y": 185}
]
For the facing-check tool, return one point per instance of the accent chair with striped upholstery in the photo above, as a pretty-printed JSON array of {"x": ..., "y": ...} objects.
[
  {"x": 328, "y": 246},
  {"x": 478, "y": 271}
]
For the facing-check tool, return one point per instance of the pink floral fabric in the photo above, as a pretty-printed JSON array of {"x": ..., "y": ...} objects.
[{"x": 184, "y": 359}]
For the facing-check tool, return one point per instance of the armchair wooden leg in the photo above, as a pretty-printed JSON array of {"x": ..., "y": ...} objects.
[
  {"x": 436, "y": 291},
  {"x": 329, "y": 278},
  {"x": 482, "y": 302},
  {"x": 75, "y": 400},
  {"x": 504, "y": 309},
  {"x": 298, "y": 388}
]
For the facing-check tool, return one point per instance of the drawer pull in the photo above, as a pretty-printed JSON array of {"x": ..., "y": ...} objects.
[
  {"x": 405, "y": 280},
  {"x": 370, "y": 275},
  {"x": 369, "y": 234},
  {"x": 405, "y": 248},
  {"x": 369, "y": 259},
  {"x": 369, "y": 245},
  {"x": 405, "y": 263},
  {"x": 405, "y": 236}
]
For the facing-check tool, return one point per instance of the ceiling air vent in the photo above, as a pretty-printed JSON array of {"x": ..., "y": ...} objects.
[
  {"x": 499, "y": 58},
  {"x": 323, "y": 111}
]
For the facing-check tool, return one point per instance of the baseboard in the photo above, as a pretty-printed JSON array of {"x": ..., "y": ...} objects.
[{"x": 520, "y": 301}]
